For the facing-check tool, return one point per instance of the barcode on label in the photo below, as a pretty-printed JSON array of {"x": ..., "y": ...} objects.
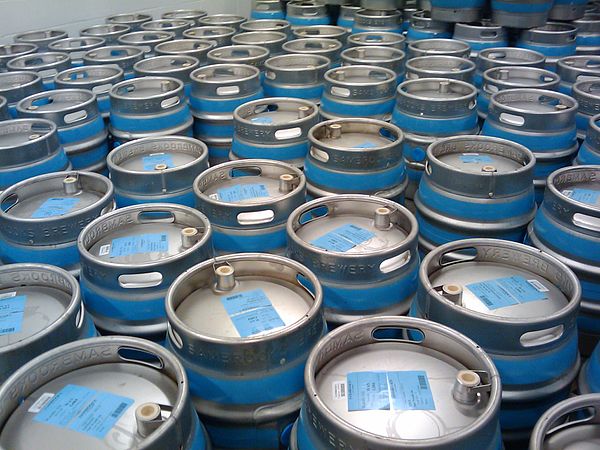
[
  {"x": 104, "y": 250},
  {"x": 339, "y": 390},
  {"x": 486, "y": 300},
  {"x": 117, "y": 412},
  {"x": 7, "y": 330},
  {"x": 39, "y": 404},
  {"x": 422, "y": 383},
  {"x": 8, "y": 295},
  {"x": 539, "y": 286}
]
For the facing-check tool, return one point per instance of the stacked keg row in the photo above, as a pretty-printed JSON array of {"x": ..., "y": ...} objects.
[{"x": 257, "y": 171}]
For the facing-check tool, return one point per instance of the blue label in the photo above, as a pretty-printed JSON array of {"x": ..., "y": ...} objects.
[
  {"x": 142, "y": 243},
  {"x": 508, "y": 291},
  {"x": 151, "y": 161},
  {"x": 56, "y": 206},
  {"x": 343, "y": 238},
  {"x": 84, "y": 410},
  {"x": 262, "y": 120},
  {"x": 241, "y": 192},
  {"x": 366, "y": 144},
  {"x": 587, "y": 196},
  {"x": 251, "y": 312},
  {"x": 11, "y": 313},
  {"x": 398, "y": 390},
  {"x": 475, "y": 158}
]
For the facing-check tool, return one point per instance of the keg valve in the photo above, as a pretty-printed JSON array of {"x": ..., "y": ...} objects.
[
  {"x": 148, "y": 417},
  {"x": 189, "y": 237},
  {"x": 287, "y": 183},
  {"x": 468, "y": 385},
  {"x": 453, "y": 292},
  {"x": 303, "y": 111},
  {"x": 335, "y": 130},
  {"x": 71, "y": 185},
  {"x": 383, "y": 218},
  {"x": 225, "y": 275}
]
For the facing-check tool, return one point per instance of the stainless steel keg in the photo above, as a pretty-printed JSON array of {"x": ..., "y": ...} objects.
[
  {"x": 198, "y": 48},
  {"x": 100, "y": 394},
  {"x": 81, "y": 128},
  {"x": 252, "y": 55},
  {"x": 147, "y": 40},
  {"x": 110, "y": 32},
  {"x": 40, "y": 38},
  {"x": 76, "y": 47},
  {"x": 589, "y": 152},
  {"x": 263, "y": 314},
  {"x": 220, "y": 35},
  {"x": 133, "y": 20},
  {"x": 422, "y": 26},
  {"x": 431, "y": 66},
  {"x": 587, "y": 95},
  {"x": 330, "y": 48},
  {"x": 505, "y": 56},
  {"x": 346, "y": 16},
  {"x": 567, "y": 9},
  {"x": 554, "y": 40},
  {"x": 148, "y": 106},
  {"x": 131, "y": 256},
  {"x": 379, "y": 56},
  {"x": 458, "y": 10},
  {"x": 383, "y": 383},
  {"x": 15, "y": 86},
  {"x": 222, "y": 20},
  {"x": 11, "y": 51},
  {"x": 480, "y": 35},
  {"x": 378, "y": 38},
  {"x": 157, "y": 170},
  {"x": 296, "y": 75},
  {"x": 321, "y": 31},
  {"x": 173, "y": 66},
  {"x": 306, "y": 12},
  {"x": 437, "y": 47},
  {"x": 521, "y": 13},
  {"x": 267, "y": 25},
  {"x": 363, "y": 250},
  {"x": 98, "y": 79},
  {"x": 271, "y": 40},
  {"x": 122, "y": 56},
  {"x": 43, "y": 310},
  {"x": 187, "y": 14},
  {"x": 577, "y": 68},
  {"x": 47, "y": 65},
  {"x": 42, "y": 216},
  {"x": 529, "y": 298},
  {"x": 367, "y": 19},
  {"x": 248, "y": 203},
  {"x": 588, "y": 34},
  {"x": 29, "y": 147},
  {"x": 175, "y": 26},
  {"x": 267, "y": 9}
]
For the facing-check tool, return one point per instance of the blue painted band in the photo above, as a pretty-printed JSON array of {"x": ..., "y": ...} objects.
[
  {"x": 415, "y": 35},
  {"x": 186, "y": 198},
  {"x": 237, "y": 437},
  {"x": 12, "y": 110},
  {"x": 458, "y": 4},
  {"x": 64, "y": 255},
  {"x": 550, "y": 50},
  {"x": 48, "y": 84},
  {"x": 83, "y": 160},
  {"x": 587, "y": 155},
  {"x": 582, "y": 121},
  {"x": 307, "y": 93},
  {"x": 83, "y": 132},
  {"x": 199, "y": 439},
  {"x": 153, "y": 123},
  {"x": 300, "y": 21},
  {"x": 483, "y": 102},
  {"x": 539, "y": 142},
  {"x": 358, "y": 109},
  {"x": 234, "y": 243},
  {"x": 372, "y": 181},
  {"x": 222, "y": 105},
  {"x": 213, "y": 130},
  {"x": 414, "y": 176},
  {"x": 267, "y": 14},
  {"x": 128, "y": 75},
  {"x": 104, "y": 103},
  {"x": 428, "y": 126},
  {"x": 478, "y": 79},
  {"x": 592, "y": 371},
  {"x": 522, "y": 8},
  {"x": 346, "y": 23},
  {"x": 218, "y": 152},
  {"x": 415, "y": 153},
  {"x": 524, "y": 415},
  {"x": 56, "y": 163},
  {"x": 583, "y": 40},
  {"x": 570, "y": 2},
  {"x": 278, "y": 153},
  {"x": 356, "y": 28}
]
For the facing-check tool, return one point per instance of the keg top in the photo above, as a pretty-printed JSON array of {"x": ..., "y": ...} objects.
[
  {"x": 315, "y": 46},
  {"x": 587, "y": 94},
  {"x": 575, "y": 190},
  {"x": 509, "y": 56},
  {"x": 147, "y": 37},
  {"x": 23, "y": 141},
  {"x": 400, "y": 389},
  {"x": 479, "y": 31},
  {"x": 207, "y": 32},
  {"x": 76, "y": 44},
  {"x": 265, "y": 25},
  {"x": 129, "y": 18},
  {"x": 259, "y": 37},
  {"x": 106, "y": 30},
  {"x": 438, "y": 66},
  {"x": 385, "y": 38},
  {"x": 37, "y": 296},
  {"x": 589, "y": 23},
  {"x": 577, "y": 68},
  {"x": 225, "y": 81},
  {"x": 533, "y": 107},
  {"x": 10, "y": 51},
  {"x": 177, "y": 66},
  {"x": 296, "y": 62},
  {"x": 276, "y": 111},
  {"x": 501, "y": 279},
  {"x": 361, "y": 75},
  {"x": 98, "y": 79},
  {"x": 65, "y": 107},
  {"x": 122, "y": 55},
  {"x": 243, "y": 297},
  {"x": 509, "y": 77},
  {"x": 323, "y": 31},
  {"x": 155, "y": 93},
  {"x": 437, "y": 46},
  {"x": 553, "y": 33},
  {"x": 40, "y": 61},
  {"x": 19, "y": 84},
  {"x": 193, "y": 47},
  {"x": 120, "y": 376},
  {"x": 355, "y": 134},
  {"x": 372, "y": 54},
  {"x": 222, "y": 19},
  {"x": 243, "y": 54},
  {"x": 41, "y": 36},
  {"x": 190, "y": 14},
  {"x": 167, "y": 24}
]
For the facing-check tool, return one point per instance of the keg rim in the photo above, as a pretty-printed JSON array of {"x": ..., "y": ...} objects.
[
  {"x": 267, "y": 101},
  {"x": 549, "y": 85},
  {"x": 469, "y": 66},
  {"x": 285, "y": 25},
  {"x": 116, "y": 29},
  {"x": 34, "y": 78},
  {"x": 164, "y": 51},
  {"x": 411, "y": 235},
  {"x": 433, "y": 258},
  {"x": 569, "y": 64},
  {"x": 59, "y": 58},
  {"x": 222, "y": 19},
  {"x": 52, "y": 129},
  {"x": 395, "y": 38},
  {"x": 85, "y": 43},
  {"x": 277, "y": 37},
  {"x": 139, "y": 68},
  {"x": 160, "y": 37},
  {"x": 334, "y": 45},
  {"x": 177, "y": 90},
  {"x": 226, "y": 31},
  {"x": 541, "y": 30},
  {"x": 193, "y": 13},
  {"x": 392, "y": 76},
  {"x": 471, "y": 95},
  {"x": 369, "y": 13},
  {"x": 31, "y": 48},
  {"x": 396, "y": 55},
  {"x": 308, "y": 316},
  {"x": 315, "y": 363},
  {"x": 324, "y": 63},
  {"x": 260, "y": 54},
  {"x": 254, "y": 73},
  {"x": 565, "y": 99},
  {"x": 459, "y": 45},
  {"x": 50, "y": 34},
  {"x": 551, "y": 185},
  {"x": 112, "y": 73},
  {"x": 335, "y": 31},
  {"x": 175, "y": 24},
  {"x": 90, "y": 101},
  {"x": 482, "y": 56},
  {"x": 129, "y": 18},
  {"x": 131, "y": 50}
]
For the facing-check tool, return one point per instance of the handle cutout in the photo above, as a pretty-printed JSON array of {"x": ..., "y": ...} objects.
[
  {"x": 340, "y": 91},
  {"x": 395, "y": 263},
  {"x": 398, "y": 334},
  {"x": 75, "y": 116},
  {"x": 102, "y": 89},
  {"x": 256, "y": 217},
  {"x": 541, "y": 337},
  {"x": 319, "y": 155},
  {"x": 312, "y": 214},
  {"x": 140, "y": 280},
  {"x": 588, "y": 222},
  {"x": 228, "y": 90},
  {"x": 156, "y": 216},
  {"x": 139, "y": 356},
  {"x": 245, "y": 172},
  {"x": 290, "y": 133},
  {"x": 174, "y": 337},
  {"x": 170, "y": 102},
  {"x": 512, "y": 119}
]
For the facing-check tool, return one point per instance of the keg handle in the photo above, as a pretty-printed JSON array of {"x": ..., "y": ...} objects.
[
  {"x": 586, "y": 221},
  {"x": 140, "y": 280},
  {"x": 80, "y": 317},
  {"x": 545, "y": 336},
  {"x": 584, "y": 406},
  {"x": 396, "y": 262}
]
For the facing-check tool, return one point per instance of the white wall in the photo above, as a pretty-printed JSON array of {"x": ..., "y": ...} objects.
[{"x": 73, "y": 15}]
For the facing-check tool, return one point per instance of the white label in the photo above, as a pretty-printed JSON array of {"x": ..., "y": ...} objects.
[
  {"x": 40, "y": 402},
  {"x": 539, "y": 286},
  {"x": 104, "y": 250},
  {"x": 339, "y": 390}
]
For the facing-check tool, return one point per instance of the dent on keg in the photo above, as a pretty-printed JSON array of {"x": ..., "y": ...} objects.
[
  {"x": 577, "y": 68},
  {"x": 198, "y": 48},
  {"x": 566, "y": 227},
  {"x": 541, "y": 120},
  {"x": 187, "y": 14},
  {"x": 157, "y": 169},
  {"x": 76, "y": 47},
  {"x": 422, "y": 26},
  {"x": 100, "y": 394},
  {"x": 521, "y": 13},
  {"x": 129, "y": 258},
  {"x": 267, "y": 25},
  {"x": 14, "y": 86},
  {"x": 216, "y": 91},
  {"x": 437, "y": 47},
  {"x": 253, "y": 55},
  {"x": 529, "y": 298},
  {"x": 554, "y": 40},
  {"x": 363, "y": 250},
  {"x": 587, "y": 95},
  {"x": 505, "y": 56},
  {"x": 219, "y": 35},
  {"x": 267, "y": 9},
  {"x": 273, "y": 128},
  {"x": 358, "y": 91},
  {"x": 40, "y": 38},
  {"x": 513, "y": 77},
  {"x": 588, "y": 34},
  {"x": 379, "y": 56},
  {"x": 271, "y": 40},
  {"x": 224, "y": 20},
  {"x": 4, "y": 114},
  {"x": 589, "y": 376},
  {"x": 175, "y": 26},
  {"x": 475, "y": 186},
  {"x": 11, "y": 51},
  {"x": 80, "y": 125},
  {"x": 306, "y": 12},
  {"x": 346, "y": 16},
  {"x": 396, "y": 383},
  {"x": 29, "y": 147},
  {"x": 366, "y": 20},
  {"x": 133, "y": 20},
  {"x": 567, "y": 9},
  {"x": 98, "y": 79},
  {"x": 480, "y": 35},
  {"x": 572, "y": 423},
  {"x": 47, "y": 65},
  {"x": 42, "y": 216},
  {"x": 450, "y": 67},
  {"x": 148, "y": 106},
  {"x": 457, "y": 10},
  {"x": 589, "y": 152},
  {"x": 110, "y": 32},
  {"x": 147, "y": 40},
  {"x": 248, "y": 203},
  {"x": 377, "y": 38},
  {"x": 329, "y": 48},
  {"x": 173, "y": 66},
  {"x": 45, "y": 311},
  {"x": 296, "y": 75},
  {"x": 263, "y": 314},
  {"x": 356, "y": 155},
  {"x": 122, "y": 56}
]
